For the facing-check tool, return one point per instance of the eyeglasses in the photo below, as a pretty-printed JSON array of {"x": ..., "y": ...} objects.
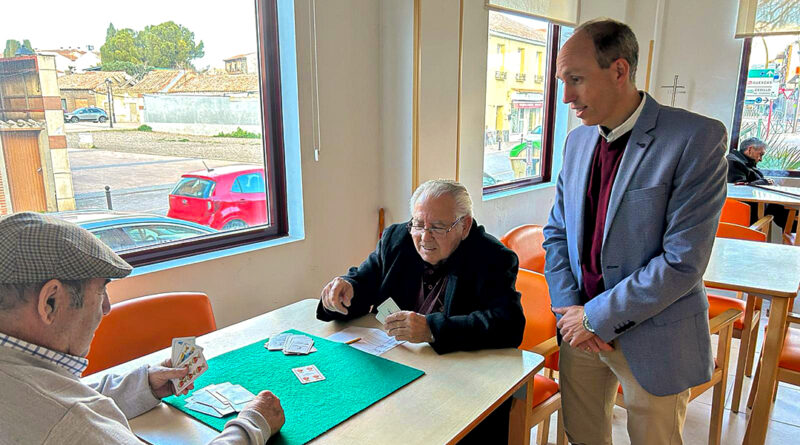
[{"x": 417, "y": 229}]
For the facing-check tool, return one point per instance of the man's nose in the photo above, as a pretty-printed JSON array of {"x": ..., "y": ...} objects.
[{"x": 569, "y": 95}]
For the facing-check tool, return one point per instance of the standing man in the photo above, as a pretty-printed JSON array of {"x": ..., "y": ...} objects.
[{"x": 628, "y": 239}]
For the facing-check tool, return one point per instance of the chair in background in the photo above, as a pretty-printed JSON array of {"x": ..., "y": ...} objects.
[
  {"x": 788, "y": 236},
  {"x": 737, "y": 212},
  {"x": 143, "y": 325},
  {"x": 526, "y": 241},
  {"x": 539, "y": 337},
  {"x": 745, "y": 328},
  {"x": 788, "y": 361},
  {"x": 723, "y": 325}
]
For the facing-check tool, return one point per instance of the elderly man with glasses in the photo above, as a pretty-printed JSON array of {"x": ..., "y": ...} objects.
[{"x": 453, "y": 282}]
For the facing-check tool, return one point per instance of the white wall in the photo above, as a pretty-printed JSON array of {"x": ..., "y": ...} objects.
[{"x": 340, "y": 191}]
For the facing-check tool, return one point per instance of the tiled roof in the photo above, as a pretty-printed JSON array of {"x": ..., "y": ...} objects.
[
  {"x": 22, "y": 123},
  {"x": 220, "y": 83},
  {"x": 240, "y": 56},
  {"x": 71, "y": 54},
  {"x": 154, "y": 81},
  {"x": 502, "y": 24},
  {"x": 91, "y": 80}
]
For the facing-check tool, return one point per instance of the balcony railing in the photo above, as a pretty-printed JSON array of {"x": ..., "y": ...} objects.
[
  {"x": 500, "y": 75},
  {"x": 520, "y": 77}
]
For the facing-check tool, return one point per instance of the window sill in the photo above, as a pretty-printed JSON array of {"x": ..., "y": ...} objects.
[
  {"x": 520, "y": 190},
  {"x": 209, "y": 256}
]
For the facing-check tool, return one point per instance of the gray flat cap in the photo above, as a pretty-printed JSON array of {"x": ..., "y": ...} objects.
[{"x": 36, "y": 248}]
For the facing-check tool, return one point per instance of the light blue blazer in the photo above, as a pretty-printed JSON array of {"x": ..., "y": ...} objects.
[{"x": 659, "y": 229}]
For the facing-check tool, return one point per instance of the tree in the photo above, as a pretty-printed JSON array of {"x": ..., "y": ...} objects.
[
  {"x": 110, "y": 31},
  {"x": 167, "y": 45},
  {"x": 13, "y": 45}
]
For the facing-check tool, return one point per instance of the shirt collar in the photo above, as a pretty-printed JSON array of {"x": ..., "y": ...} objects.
[
  {"x": 625, "y": 126},
  {"x": 75, "y": 365}
]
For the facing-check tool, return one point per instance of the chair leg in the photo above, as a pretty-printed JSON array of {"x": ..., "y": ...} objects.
[
  {"x": 746, "y": 337},
  {"x": 561, "y": 437},
  {"x": 543, "y": 431},
  {"x": 519, "y": 433},
  {"x": 754, "y": 386},
  {"x": 718, "y": 396},
  {"x": 751, "y": 351}
]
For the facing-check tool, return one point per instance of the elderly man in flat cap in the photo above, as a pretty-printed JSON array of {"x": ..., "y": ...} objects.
[{"x": 53, "y": 277}]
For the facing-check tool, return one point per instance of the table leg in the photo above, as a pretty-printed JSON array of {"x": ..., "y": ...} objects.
[
  {"x": 519, "y": 426},
  {"x": 773, "y": 342}
]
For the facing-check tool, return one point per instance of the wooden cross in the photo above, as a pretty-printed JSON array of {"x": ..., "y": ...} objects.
[{"x": 675, "y": 87}]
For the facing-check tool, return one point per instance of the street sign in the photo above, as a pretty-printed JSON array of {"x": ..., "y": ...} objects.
[{"x": 767, "y": 87}]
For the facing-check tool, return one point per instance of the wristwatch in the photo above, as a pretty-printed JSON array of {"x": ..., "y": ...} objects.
[{"x": 586, "y": 324}]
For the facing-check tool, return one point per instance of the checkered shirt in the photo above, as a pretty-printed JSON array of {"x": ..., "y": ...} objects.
[{"x": 73, "y": 364}]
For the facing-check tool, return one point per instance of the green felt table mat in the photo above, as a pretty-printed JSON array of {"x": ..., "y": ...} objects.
[{"x": 353, "y": 381}]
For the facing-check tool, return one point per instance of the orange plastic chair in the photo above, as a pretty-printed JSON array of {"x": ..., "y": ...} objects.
[
  {"x": 788, "y": 361},
  {"x": 745, "y": 327},
  {"x": 526, "y": 241},
  {"x": 143, "y": 325},
  {"x": 737, "y": 212},
  {"x": 539, "y": 337}
]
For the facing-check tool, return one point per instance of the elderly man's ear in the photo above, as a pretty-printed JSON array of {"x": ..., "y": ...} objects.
[
  {"x": 50, "y": 300},
  {"x": 467, "y": 222}
]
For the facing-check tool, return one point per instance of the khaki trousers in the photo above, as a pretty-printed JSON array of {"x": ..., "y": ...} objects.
[{"x": 589, "y": 383}]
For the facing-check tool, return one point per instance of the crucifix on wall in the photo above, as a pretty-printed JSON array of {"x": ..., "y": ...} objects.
[{"x": 675, "y": 87}]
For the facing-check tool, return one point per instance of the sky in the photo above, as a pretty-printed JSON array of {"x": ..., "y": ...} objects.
[{"x": 226, "y": 28}]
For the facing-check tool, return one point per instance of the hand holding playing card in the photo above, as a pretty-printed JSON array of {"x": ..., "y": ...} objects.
[
  {"x": 160, "y": 376},
  {"x": 408, "y": 326},
  {"x": 269, "y": 406}
]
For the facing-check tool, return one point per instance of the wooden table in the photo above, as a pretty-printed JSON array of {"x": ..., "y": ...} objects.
[
  {"x": 768, "y": 271},
  {"x": 457, "y": 391},
  {"x": 762, "y": 196}
]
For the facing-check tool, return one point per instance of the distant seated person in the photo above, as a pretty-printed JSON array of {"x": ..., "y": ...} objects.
[
  {"x": 453, "y": 282},
  {"x": 742, "y": 170},
  {"x": 742, "y": 163},
  {"x": 53, "y": 278}
]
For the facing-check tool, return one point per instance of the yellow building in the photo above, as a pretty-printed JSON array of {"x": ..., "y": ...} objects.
[{"x": 515, "y": 76}]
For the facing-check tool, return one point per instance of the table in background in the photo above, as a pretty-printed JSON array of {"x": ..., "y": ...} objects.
[
  {"x": 764, "y": 270},
  {"x": 762, "y": 196},
  {"x": 457, "y": 391}
]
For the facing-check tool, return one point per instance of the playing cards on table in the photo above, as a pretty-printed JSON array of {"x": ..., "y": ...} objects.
[
  {"x": 291, "y": 344},
  {"x": 219, "y": 400},
  {"x": 185, "y": 353},
  {"x": 386, "y": 309},
  {"x": 308, "y": 374}
]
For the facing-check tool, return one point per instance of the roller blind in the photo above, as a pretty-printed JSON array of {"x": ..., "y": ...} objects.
[
  {"x": 563, "y": 12},
  {"x": 768, "y": 17}
]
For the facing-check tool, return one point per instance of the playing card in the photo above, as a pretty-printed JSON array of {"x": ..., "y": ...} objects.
[
  {"x": 236, "y": 394},
  {"x": 177, "y": 347},
  {"x": 197, "y": 365},
  {"x": 385, "y": 309},
  {"x": 277, "y": 342},
  {"x": 298, "y": 345},
  {"x": 187, "y": 351},
  {"x": 206, "y": 398},
  {"x": 308, "y": 374},
  {"x": 205, "y": 409}
]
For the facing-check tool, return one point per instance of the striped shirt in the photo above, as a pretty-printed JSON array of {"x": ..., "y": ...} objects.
[{"x": 73, "y": 364}]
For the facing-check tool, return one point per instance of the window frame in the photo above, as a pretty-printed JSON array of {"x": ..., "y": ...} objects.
[
  {"x": 548, "y": 118},
  {"x": 738, "y": 110},
  {"x": 268, "y": 51}
]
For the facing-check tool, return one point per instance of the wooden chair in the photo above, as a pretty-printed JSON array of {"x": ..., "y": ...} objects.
[
  {"x": 539, "y": 337},
  {"x": 788, "y": 236},
  {"x": 746, "y": 327},
  {"x": 143, "y": 325},
  {"x": 737, "y": 212},
  {"x": 526, "y": 241},
  {"x": 723, "y": 325},
  {"x": 788, "y": 361}
]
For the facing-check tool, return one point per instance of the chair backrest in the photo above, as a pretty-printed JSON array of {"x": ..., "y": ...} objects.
[
  {"x": 728, "y": 230},
  {"x": 143, "y": 325},
  {"x": 526, "y": 241},
  {"x": 735, "y": 212},
  {"x": 540, "y": 323}
]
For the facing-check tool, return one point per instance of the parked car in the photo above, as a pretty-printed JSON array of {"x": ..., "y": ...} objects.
[
  {"x": 123, "y": 230},
  {"x": 86, "y": 114},
  {"x": 224, "y": 198}
]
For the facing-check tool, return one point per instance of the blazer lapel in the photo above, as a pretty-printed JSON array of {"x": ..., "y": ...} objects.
[
  {"x": 583, "y": 168},
  {"x": 634, "y": 152}
]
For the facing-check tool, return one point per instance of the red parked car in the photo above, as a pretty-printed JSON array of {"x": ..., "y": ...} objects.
[{"x": 224, "y": 198}]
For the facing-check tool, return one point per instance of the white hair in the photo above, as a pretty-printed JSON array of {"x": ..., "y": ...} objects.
[{"x": 440, "y": 187}]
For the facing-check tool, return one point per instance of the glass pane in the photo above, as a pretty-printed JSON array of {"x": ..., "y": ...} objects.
[
  {"x": 156, "y": 98},
  {"x": 770, "y": 110},
  {"x": 515, "y": 87}
]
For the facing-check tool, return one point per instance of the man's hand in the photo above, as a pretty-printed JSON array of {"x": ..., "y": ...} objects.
[
  {"x": 595, "y": 344},
  {"x": 337, "y": 295},
  {"x": 408, "y": 326},
  {"x": 159, "y": 379},
  {"x": 269, "y": 406},
  {"x": 571, "y": 325}
]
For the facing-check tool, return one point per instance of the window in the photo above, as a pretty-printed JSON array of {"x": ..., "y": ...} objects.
[
  {"x": 183, "y": 126},
  {"x": 518, "y": 136},
  {"x": 767, "y": 101}
]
